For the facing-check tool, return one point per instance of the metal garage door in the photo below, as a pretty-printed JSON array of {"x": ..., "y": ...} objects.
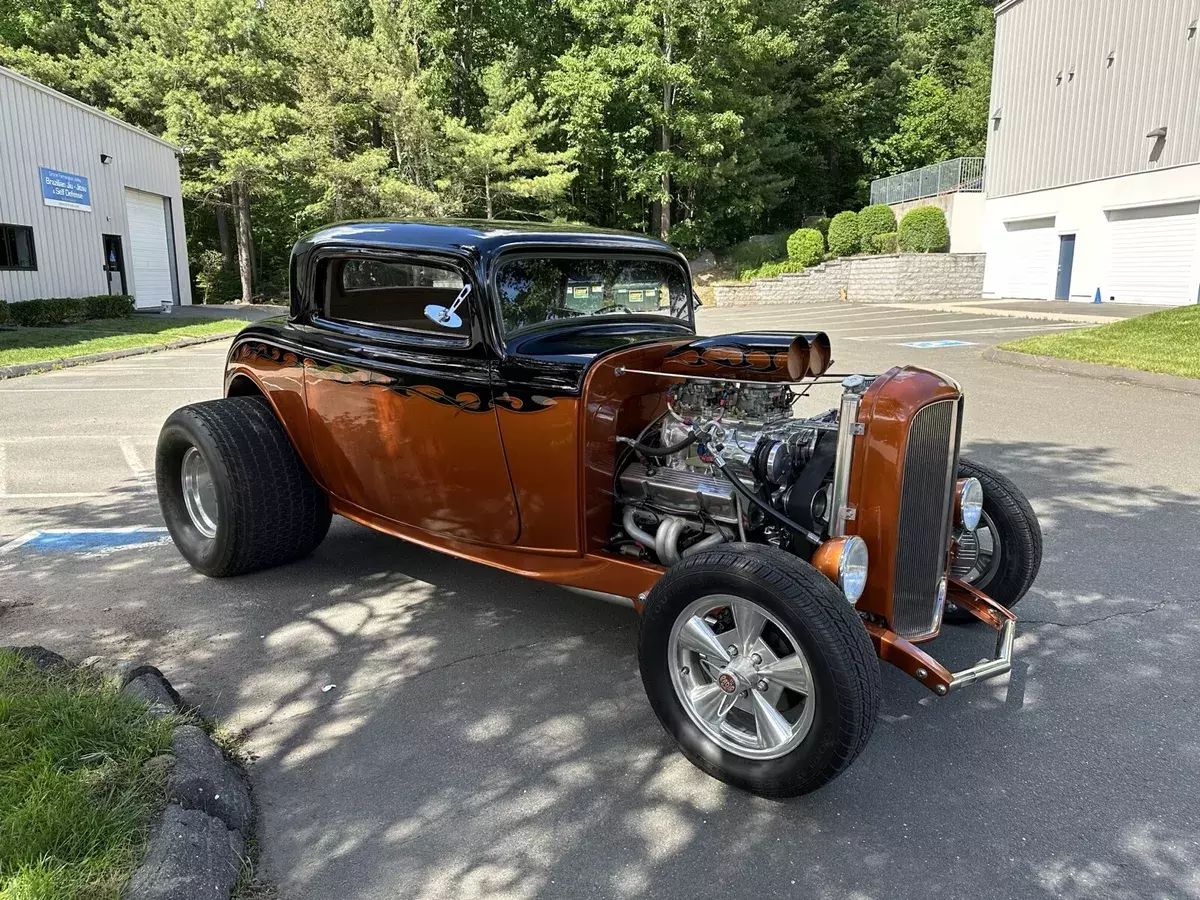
[
  {"x": 1028, "y": 259},
  {"x": 149, "y": 256},
  {"x": 1153, "y": 254}
]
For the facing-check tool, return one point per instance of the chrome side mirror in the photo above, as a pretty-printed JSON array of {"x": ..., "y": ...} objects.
[{"x": 447, "y": 316}]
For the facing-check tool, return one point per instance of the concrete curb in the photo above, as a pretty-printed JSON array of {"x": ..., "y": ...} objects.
[
  {"x": 72, "y": 361},
  {"x": 1094, "y": 370},
  {"x": 198, "y": 843}
]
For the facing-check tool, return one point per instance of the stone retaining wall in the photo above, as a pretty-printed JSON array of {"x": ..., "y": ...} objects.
[{"x": 898, "y": 278}]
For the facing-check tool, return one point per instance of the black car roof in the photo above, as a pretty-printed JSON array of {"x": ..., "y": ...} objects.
[{"x": 476, "y": 235}]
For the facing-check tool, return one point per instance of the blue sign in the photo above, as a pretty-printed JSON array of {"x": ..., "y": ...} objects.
[
  {"x": 65, "y": 190},
  {"x": 937, "y": 345}
]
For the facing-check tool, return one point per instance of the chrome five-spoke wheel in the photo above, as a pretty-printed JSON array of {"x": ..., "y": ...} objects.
[
  {"x": 199, "y": 493},
  {"x": 741, "y": 676}
]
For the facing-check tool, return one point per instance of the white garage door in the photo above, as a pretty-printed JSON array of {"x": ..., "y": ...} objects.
[
  {"x": 1028, "y": 263},
  {"x": 1153, "y": 254},
  {"x": 148, "y": 253}
]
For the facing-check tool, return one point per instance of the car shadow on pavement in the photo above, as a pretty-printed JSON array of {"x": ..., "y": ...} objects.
[{"x": 427, "y": 727}]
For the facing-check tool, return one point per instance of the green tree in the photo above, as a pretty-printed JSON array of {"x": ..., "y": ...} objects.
[
  {"x": 500, "y": 167},
  {"x": 210, "y": 76}
]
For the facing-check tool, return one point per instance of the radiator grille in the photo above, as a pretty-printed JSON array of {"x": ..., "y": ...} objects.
[{"x": 924, "y": 524}]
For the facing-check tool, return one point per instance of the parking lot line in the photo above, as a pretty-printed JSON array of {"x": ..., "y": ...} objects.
[
  {"x": 34, "y": 438},
  {"x": 903, "y": 325},
  {"x": 67, "y": 495},
  {"x": 957, "y": 332},
  {"x": 851, "y": 314},
  {"x": 93, "y": 390},
  {"x": 132, "y": 459}
]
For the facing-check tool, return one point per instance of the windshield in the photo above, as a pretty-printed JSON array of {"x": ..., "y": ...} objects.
[{"x": 542, "y": 289}]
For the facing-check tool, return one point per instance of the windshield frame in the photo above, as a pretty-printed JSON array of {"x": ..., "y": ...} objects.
[{"x": 585, "y": 252}]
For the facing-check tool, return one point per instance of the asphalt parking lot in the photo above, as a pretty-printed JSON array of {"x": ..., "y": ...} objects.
[{"x": 486, "y": 736}]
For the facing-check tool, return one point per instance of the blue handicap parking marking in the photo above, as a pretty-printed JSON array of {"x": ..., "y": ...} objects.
[
  {"x": 86, "y": 540},
  {"x": 934, "y": 345}
]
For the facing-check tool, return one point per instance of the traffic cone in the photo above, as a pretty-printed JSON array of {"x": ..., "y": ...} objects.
[{"x": 1097, "y": 300}]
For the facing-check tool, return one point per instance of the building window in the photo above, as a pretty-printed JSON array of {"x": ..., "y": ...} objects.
[{"x": 16, "y": 247}]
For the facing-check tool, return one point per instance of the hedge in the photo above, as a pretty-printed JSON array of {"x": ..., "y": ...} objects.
[
  {"x": 874, "y": 221},
  {"x": 888, "y": 242},
  {"x": 51, "y": 311},
  {"x": 843, "y": 234},
  {"x": 923, "y": 230},
  {"x": 806, "y": 247},
  {"x": 3, "y": 312}
]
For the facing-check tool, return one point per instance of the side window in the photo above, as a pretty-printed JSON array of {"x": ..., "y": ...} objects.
[
  {"x": 392, "y": 294},
  {"x": 16, "y": 247}
]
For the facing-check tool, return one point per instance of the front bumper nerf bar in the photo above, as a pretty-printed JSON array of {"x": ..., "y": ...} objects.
[{"x": 910, "y": 658}]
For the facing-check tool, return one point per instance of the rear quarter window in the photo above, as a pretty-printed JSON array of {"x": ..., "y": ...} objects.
[{"x": 392, "y": 294}]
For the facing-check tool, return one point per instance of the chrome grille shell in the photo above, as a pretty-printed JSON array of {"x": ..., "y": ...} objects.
[{"x": 924, "y": 520}]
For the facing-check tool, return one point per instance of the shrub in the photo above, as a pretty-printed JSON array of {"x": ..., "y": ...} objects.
[
  {"x": 806, "y": 246},
  {"x": 843, "y": 234},
  {"x": 888, "y": 242},
  {"x": 3, "y": 312},
  {"x": 772, "y": 269},
  {"x": 874, "y": 221},
  {"x": 48, "y": 312},
  {"x": 752, "y": 254},
  {"x": 108, "y": 306},
  {"x": 923, "y": 230}
]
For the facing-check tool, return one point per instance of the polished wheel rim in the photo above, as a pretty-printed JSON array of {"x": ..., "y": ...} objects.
[
  {"x": 978, "y": 556},
  {"x": 741, "y": 676},
  {"x": 199, "y": 492}
]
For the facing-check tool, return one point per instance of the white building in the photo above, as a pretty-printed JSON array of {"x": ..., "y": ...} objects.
[
  {"x": 88, "y": 203},
  {"x": 1093, "y": 158}
]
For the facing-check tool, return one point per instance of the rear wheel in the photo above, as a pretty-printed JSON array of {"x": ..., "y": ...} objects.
[
  {"x": 759, "y": 668},
  {"x": 235, "y": 495},
  {"x": 1003, "y": 555}
]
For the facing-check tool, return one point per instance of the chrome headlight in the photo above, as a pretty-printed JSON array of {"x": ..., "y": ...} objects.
[
  {"x": 969, "y": 500},
  {"x": 843, "y": 560},
  {"x": 852, "y": 569}
]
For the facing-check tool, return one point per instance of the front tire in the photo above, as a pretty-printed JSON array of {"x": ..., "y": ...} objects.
[
  {"x": 1006, "y": 550},
  {"x": 234, "y": 493},
  {"x": 793, "y": 703}
]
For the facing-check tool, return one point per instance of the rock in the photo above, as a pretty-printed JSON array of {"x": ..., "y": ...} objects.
[
  {"x": 204, "y": 779},
  {"x": 706, "y": 261},
  {"x": 191, "y": 856},
  {"x": 41, "y": 657},
  {"x": 156, "y": 691}
]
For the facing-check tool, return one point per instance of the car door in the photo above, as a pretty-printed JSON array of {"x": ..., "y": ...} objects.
[{"x": 401, "y": 408}]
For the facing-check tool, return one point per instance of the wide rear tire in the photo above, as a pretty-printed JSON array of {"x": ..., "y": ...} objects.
[
  {"x": 808, "y": 620},
  {"x": 234, "y": 493}
]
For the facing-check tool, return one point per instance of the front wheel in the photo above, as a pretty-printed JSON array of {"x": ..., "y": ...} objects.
[
  {"x": 759, "y": 668},
  {"x": 233, "y": 491},
  {"x": 1002, "y": 556}
]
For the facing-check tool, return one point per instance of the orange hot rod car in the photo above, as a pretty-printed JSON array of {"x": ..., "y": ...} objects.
[{"x": 537, "y": 399}]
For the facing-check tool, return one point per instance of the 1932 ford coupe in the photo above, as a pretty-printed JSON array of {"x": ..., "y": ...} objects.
[{"x": 536, "y": 399}]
